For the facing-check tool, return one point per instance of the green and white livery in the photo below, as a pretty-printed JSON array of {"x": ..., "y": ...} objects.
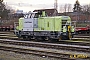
[{"x": 38, "y": 25}]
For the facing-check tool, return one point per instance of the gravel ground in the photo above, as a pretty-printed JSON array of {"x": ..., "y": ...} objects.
[{"x": 6, "y": 55}]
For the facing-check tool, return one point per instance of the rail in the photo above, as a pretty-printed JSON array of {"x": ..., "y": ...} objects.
[{"x": 43, "y": 49}]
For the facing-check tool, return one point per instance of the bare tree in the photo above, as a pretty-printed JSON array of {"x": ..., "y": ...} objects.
[
  {"x": 69, "y": 7},
  {"x": 61, "y": 8},
  {"x": 66, "y": 8},
  {"x": 86, "y": 11},
  {"x": 3, "y": 11}
]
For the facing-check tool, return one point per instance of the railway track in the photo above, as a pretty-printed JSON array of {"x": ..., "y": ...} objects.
[
  {"x": 45, "y": 49},
  {"x": 82, "y": 36},
  {"x": 73, "y": 41},
  {"x": 81, "y": 47},
  {"x": 48, "y": 45},
  {"x": 36, "y": 52}
]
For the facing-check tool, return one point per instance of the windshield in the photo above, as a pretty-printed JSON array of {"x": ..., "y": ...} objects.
[
  {"x": 26, "y": 16},
  {"x": 31, "y": 15}
]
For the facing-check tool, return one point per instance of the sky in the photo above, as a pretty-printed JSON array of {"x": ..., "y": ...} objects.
[{"x": 30, "y": 5}]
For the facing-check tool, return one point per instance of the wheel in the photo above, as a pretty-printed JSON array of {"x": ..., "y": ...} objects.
[
  {"x": 38, "y": 38},
  {"x": 26, "y": 38},
  {"x": 50, "y": 39},
  {"x": 43, "y": 38},
  {"x": 53, "y": 40},
  {"x": 64, "y": 38},
  {"x": 60, "y": 38}
]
